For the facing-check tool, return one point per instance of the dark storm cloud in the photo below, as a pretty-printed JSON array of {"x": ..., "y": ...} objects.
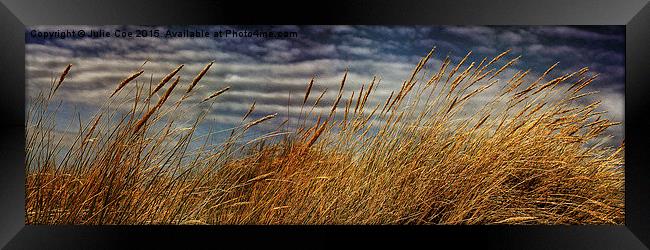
[{"x": 267, "y": 70}]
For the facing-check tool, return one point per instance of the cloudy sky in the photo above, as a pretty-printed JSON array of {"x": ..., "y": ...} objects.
[{"x": 269, "y": 70}]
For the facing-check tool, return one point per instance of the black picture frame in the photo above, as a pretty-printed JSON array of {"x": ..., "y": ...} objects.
[{"x": 15, "y": 15}]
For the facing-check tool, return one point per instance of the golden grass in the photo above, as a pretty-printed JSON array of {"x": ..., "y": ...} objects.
[{"x": 528, "y": 154}]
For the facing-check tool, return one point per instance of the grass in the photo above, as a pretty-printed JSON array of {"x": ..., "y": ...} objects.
[{"x": 528, "y": 154}]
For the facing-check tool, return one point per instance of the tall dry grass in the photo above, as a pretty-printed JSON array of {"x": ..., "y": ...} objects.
[{"x": 428, "y": 154}]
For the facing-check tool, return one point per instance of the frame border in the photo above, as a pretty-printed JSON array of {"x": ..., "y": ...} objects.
[{"x": 15, "y": 15}]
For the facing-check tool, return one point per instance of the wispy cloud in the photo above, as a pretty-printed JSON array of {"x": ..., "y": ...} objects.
[{"x": 268, "y": 70}]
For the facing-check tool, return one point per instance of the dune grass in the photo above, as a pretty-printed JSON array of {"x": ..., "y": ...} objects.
[{"x": 528, "y": 154}]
